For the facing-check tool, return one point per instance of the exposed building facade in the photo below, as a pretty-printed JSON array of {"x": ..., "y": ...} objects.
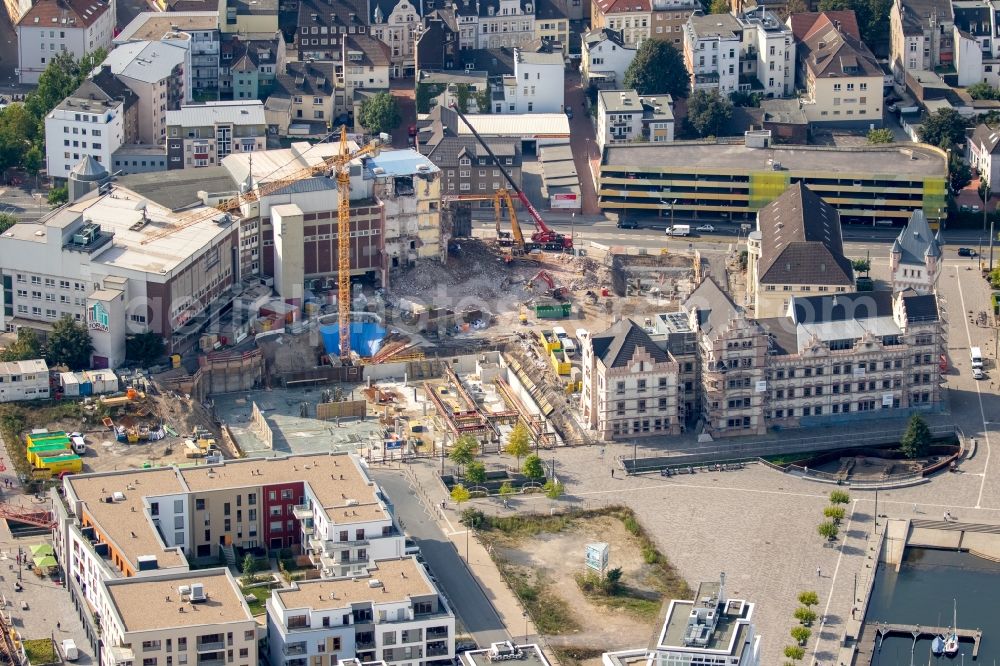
[
  {"x": 51, "y": 27},
  {"x": 204, "y": 134}
]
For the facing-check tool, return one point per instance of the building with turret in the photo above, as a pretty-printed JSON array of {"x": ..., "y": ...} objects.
[{"x": 915, "y": 260}]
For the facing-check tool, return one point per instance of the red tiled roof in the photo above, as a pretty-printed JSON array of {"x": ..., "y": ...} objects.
[
  {"x": 803, "y": 24},
  {"x": 623, "y": 6},
  {"x": 64, "y": 13}
]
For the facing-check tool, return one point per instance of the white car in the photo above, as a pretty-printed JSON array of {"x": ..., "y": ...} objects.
[
  {"x": 705, "y": 227},
  {"x": 977, "y": 373}
]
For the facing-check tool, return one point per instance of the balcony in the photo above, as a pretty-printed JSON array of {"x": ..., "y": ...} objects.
[
  {"x": 437, "y": 632},
  {"x": 294, "y": 649},
  {"x": 211, "y": 662},
  {"x": 302, "y": 511},
  {"x": 438, "y": 649},
  {"x": 211, "y": 646}
]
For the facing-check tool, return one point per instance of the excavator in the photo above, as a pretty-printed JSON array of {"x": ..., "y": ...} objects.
[
  {"x": 544, "y": 237},
  {"x": 558, "y": 292},
  {"x": 512, "y": 241},
  {"x": 335, "y": 166}
]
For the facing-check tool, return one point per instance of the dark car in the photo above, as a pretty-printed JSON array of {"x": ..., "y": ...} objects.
[
  {"x": 966, "y": 252},
  {"x": 626, "y": 223}
]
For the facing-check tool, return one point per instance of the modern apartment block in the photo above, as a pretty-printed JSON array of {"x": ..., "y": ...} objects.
[
  {"x": 797, "y": 250},
  {"x": 625, "y": 117},
  {"x": 200, "y": 29},
  {"x": 735, "y": 180},
  {"x": 196, "y": 618},
  {"x": 51, "y": 27},
  {"x": 200, "y": 135},
  {"x": 391, "y": 613},
  {"x": 96, "y": 120},
  {"x": 24, "y": 380}
]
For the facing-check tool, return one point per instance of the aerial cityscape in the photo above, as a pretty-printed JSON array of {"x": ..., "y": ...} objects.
[{"x": 456, "y": 332}]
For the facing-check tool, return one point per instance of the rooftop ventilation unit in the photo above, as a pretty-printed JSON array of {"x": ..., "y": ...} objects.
[{"x": 198, "y": 593}]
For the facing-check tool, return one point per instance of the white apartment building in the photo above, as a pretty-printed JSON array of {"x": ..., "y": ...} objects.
[
  {"x": 982, "y": 146},
  {"x": 712, "y": 49},
  {"x": 96, "y": 120},
  {"x": 51, "y": 27},
  {"x": 199, "y": 29},
  {"x": 198, "y": 618},
  {"x": 623, "y": 116},
  {"x": 24, "y": 380},
  {"x": 768, "y": 52},
  {"x": 159, "y": 73},
  {"x": 200, "y": 135},
  {"x": 537, "y": 85},
  {"x": 605, "y": 58},
  {"x": 393, "y": 613}
]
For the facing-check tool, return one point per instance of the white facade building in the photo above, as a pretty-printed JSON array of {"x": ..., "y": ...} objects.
[
  {"x": 24, "y": 380},
  {"x": 982, "y": 146},
  {"x": 199, "y": 29},
  {"x": 537, "y": 85},
  {"x": 96, "y": 120},
  {"x": 623, "y": 116},
  {"x": 50, "y": 27},
  {"x": 712, "y": 46},
  {"x": 393, "y": 614},
  {"x": 605, "y": 58},
  {"x": 768, "y": 52}
]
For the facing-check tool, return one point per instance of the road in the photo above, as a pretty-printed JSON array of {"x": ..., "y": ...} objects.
[{"x": 466, "y": 596}]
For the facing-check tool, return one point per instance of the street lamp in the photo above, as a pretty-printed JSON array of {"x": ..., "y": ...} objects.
[
  {"x": 524, "y": 614},
  {"x": 671, "y": 204}
]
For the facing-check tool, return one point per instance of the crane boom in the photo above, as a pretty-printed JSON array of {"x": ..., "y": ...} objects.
[
  {"x": 344, "y": 251},
  {"x": 543, "y": 235}
]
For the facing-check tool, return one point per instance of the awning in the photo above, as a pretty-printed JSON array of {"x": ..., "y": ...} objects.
[
  {"x": 41, "y": 549},
  {"x": 45, "y": 562}
]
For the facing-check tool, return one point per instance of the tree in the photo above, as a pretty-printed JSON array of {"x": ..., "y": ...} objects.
[
  {"x": 379, "y": 113},
  {"x": 808, "y": 598},
  {"x": 533, "y": 468},
  {"x": 464, "y": 450},
  {"x": 959, "y": 172},
  {"x": 943, "y": 126},
  {"x": 6, "y": 221},
  {"x": 519, "y": 443},
  {"x": 805, "y": 615},
  {"x": 25, "y": 348},
  {"x": 795, "y": 7},
  {"x": 917, "y": 438},
  {"x": 506, "y": 490},
  {"x": 17, "y": 130},
  {"x": 794, "y": 652},
  {"x": 718, "y": 7},
  {"x": 800, "y": 634},
  {"x": 249, "y": 576},
  {"x": 834, "y": 513},
  {"x": 708, "y": 111},
  {"x": 553, "y": 489},
  {"x": 33, "y": 160},
  {"x": 861, "y": 265},
  {"x": 880, "y": 135},
  {"x": 828, "y": 530},
  {"x": 839, "y": 497},
  {"x": 460, "y": 494},
  {"x": 982, "y": 90},
  {"x": 657, "y": 69},
  {"x": 475, "y": 473},
  {"x": 69, "y": 344},
  {"x": 57, "y": 196},
  {"x": 144, "y": 348}
]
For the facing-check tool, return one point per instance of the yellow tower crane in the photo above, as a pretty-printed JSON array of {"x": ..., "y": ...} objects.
[{"x": 336, "y": 165}]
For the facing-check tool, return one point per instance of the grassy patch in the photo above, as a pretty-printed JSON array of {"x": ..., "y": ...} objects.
[
  {"x": 529, "y": 525},
  {"x": 550, "y": 613},
  {"x": 260, "y": 595},
  {"x": 611, "y": 593},
  {"x": 570, "y": 656},
  {"x": 40, "y": 651}
]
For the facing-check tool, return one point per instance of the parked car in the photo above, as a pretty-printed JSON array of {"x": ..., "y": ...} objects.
[
  {"x": 627, "y": 223},
  {"x": 966, "y": 252},
  {"x": 977, "y": 373},
  {"x": 707, "y": 228}
]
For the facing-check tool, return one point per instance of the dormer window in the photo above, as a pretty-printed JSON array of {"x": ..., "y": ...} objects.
[{"x": 465, "y": 161}]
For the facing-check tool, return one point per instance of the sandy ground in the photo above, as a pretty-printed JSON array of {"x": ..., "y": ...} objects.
[{"x": 558, "y": 557}]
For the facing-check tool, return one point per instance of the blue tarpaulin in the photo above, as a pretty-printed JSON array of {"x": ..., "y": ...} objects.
[{"x": 366, "y": 338}]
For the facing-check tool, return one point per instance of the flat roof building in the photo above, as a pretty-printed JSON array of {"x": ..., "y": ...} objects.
[
  {"x": 24, "y": 380},
  {"x": 735, "y": 180}
]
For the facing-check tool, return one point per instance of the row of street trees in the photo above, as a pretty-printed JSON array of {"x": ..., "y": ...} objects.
[
  {"x": 834, "y": 514},
  {"x": 801, "y": 632}
]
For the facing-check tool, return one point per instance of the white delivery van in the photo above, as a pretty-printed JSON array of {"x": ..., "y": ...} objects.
[
  {"x": 560, "y": 332},
  {"x": 679, "y": 230},
  {"x": 569, "y": 346},
  {"x": 977, "y": 357},
  {"x": 69, "y": 649}
]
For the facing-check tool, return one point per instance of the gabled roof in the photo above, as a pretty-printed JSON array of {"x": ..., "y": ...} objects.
[
  {"x": 374, "y": 52},
  {"x": 801, "y": 241},
  {"x": 63, "y": 14},
  {"x": 498, "y": 61},
  {"x": 379, "y": 11},
  {"x": 829, "y": 52},
  {"x": 987, "y": 137},
  {"x": 916, "y": 241},
  {"x": 485, "y": 5},
  {"x": 844, "y": 306},
  {"x": 445, "y": 151},
  {"x": 802, "y": 24},
  {"x": 713, "y": 306},
  {"x": 306, "y": 78},
  {"x": 623, "y": 6},
  {"x": 332, "y": 12},
  {"x": 919, "y": 14},
  {"x": 617, "y": 346},
  {"x": 604, "y": 34},
  {"x": 548, "y": 10}
]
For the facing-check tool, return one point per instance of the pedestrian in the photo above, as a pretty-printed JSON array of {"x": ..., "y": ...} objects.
[
  {"x": 612, "y": 472},
  {"x": 819, "y": 573},
  {"x": 58, "y": 626},
  {"x": 915, "y": 508}
]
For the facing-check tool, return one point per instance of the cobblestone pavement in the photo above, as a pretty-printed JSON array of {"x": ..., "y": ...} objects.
[{"x": 759, "y": 526}]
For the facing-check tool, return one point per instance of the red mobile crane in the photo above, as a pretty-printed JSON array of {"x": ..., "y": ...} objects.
[{"x": 543, "y": 237}]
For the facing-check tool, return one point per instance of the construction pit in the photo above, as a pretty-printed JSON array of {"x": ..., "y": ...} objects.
[{"x": 415, "y": 408}]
